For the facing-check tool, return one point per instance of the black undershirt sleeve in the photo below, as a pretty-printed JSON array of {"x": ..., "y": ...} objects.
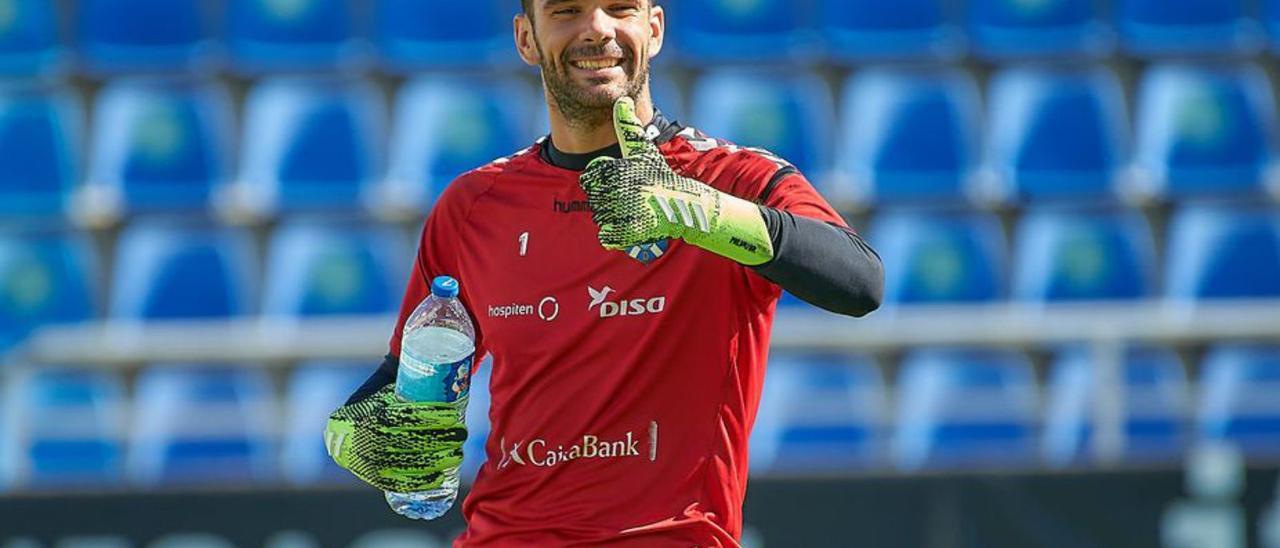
[
  {"x": 384, "y": 375},
  {"x": 823, "y": 264}
]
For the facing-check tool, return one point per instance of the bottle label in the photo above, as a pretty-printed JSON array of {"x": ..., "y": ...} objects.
[{"x": 420, "y": 381}]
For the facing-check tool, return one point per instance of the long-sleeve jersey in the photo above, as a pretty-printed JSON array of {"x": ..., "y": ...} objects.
[{"x": 624, "y": 384}]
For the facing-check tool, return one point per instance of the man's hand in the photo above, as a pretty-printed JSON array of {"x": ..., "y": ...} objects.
[
  {"x": 394, "y": 445},
  {"x": 639, "y": 199}
]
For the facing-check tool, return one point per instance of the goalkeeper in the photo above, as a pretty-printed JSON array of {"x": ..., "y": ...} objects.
[{"x": 623, "y": 272}]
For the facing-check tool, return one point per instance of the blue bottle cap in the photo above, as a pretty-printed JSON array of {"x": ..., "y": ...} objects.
[{"x": 444, "y": 287}]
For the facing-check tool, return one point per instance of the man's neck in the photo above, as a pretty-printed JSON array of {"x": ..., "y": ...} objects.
[{"x": 578, "y": 139}]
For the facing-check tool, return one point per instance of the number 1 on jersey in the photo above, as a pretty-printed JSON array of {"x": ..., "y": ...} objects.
[{"x": 524, "y": 243}]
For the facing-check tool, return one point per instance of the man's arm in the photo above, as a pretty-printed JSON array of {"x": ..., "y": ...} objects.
[{"x": 823, "y": 264}]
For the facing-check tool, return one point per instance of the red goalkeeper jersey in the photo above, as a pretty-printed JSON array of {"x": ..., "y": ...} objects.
[{"x": 624, "y": 384}]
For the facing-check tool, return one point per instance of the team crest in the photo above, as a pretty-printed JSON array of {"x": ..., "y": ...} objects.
[{"x": 647, "y": 253}]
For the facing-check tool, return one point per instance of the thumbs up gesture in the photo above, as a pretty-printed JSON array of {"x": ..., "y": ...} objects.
[{"x": 639, "y": 199}]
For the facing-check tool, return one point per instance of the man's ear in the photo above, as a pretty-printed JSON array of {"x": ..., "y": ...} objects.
[
  {"x": 526, "y": 45},
  {"x": 658, "y": 29}
]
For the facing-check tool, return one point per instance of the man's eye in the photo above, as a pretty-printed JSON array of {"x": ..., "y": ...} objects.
[{"x": 565, "y": 11}]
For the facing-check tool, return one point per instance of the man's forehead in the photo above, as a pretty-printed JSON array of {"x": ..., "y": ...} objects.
[{"x": 553, "y": 3}]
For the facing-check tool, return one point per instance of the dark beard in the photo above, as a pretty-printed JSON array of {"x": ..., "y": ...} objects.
[{"x": 584, "y": 109}]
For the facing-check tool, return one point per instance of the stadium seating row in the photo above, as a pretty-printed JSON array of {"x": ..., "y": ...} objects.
[
  {"x": 964, "y": 408},
  {"x": 903, "y": 137},
  {"x": 172, "y": 269},
  {"x": 954, "y": 408},
  {"x": 255, "y": 36}
]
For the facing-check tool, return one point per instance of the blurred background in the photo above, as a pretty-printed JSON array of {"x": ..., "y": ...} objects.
[{"x": 208, "y": 211}]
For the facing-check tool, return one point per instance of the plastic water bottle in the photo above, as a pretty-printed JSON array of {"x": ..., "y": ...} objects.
[{"x": 436, "y": 353}]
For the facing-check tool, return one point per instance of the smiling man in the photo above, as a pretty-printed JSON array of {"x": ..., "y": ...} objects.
[{"x": 623, "y": 272}]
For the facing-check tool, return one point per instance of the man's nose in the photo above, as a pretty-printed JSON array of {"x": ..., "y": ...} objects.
[{"x": 600, "y": 26}]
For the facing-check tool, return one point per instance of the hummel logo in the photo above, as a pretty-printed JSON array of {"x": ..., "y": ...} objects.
[{"x": 598, "y": 297}]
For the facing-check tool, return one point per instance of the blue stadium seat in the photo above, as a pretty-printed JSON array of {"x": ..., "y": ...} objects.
[
  {"x": 789, "y": 114},
  {"x": 1155, "y": 406},
  {"x": 276, "y": 35},
  {"x": 1181, "y": 27},
  {"x": 412, "y": 34},
  {"x": 446, "y": 127},
  {"x": 965, "y": 409},
  {"x": 44, "y": 279},
  {"x": 166, "y": 271},
  {"x": 1015, "y": 28},
  {"x": 207, "y": 426},
  {"x": 314, "y": 391},
  {"x": 1223, "y": 252},
  {"x": 157, "y": 35},
  {"x": 40, "y": 136},
  {"x": 29, "y": 41},
  {"x": 311, "y": 143},
  {"x": 932, "y": 258},
  {"x": 317, "y": 269},
  {"x": 161, "y": 145},
  {"x": 1070, "y": 255},
  {"x": 478, "y": 427},
  {"x": 1271, "y": 17},
  {"x": 1057, "y": 135},
  {"x": 716, "y": 31},
  {"x": 910, "y": 136},
  {"x": 1237, "y": 399},
  {"x": 858, "y": 30},
  {"x": 1204, "y": 131},
  {"x": 66, "y": 428},
  {"x": 820, "y": 413}
]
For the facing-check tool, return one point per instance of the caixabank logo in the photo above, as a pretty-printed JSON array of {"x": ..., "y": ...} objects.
[
  {"x": 609, "y": 307},
  {"x": 540, "y": 453}
]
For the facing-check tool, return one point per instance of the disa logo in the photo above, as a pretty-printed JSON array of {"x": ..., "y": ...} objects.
[{"x": 623, "y": 307}]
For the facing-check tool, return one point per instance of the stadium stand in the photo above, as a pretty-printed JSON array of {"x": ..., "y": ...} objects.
[
  {"x": 196, "y": 425},
  {"x": 965, "y": 408},
  {"x": 314, "y": 391},
  {"x": 272, "y": 35},
  {"x": 957, "y": 122},
  {"x": 40, "y": 156},
  {"x": 309, "y": 144},
  {"x": 66, "y": 428},
  {"x": 1237, "y": 400},
  {"x": 1186, "y": 27},
  {"x": 326, "y": 269},
  {"x": 165, "y": 270},
  {"x": 1204, "y": 130},
  {"x": 1056, "y": 134},
  {"x": 867, "y": 30},
  {"x": 788, "y": 114},
  {"x": 716, "y": 31},
  {"x": 30, "y": 44},
  {"x": 413, "y": 35},
  {"x": 910, "y": 135},
  {"x": 158, "y": 35},
  {"x": 1154, "y": 396},
  {"x": 1064, "y": 254},
  {"x": 1009, "y": 29},
  {"x": 1223, "y": 252},
  {"x": 445, "y": 127},
  {"x": 45, "y": 279},
  {"x": 161, "y": 145},
  {"x": 820, "y": 413},
  {"x": 932, "y": 257}
]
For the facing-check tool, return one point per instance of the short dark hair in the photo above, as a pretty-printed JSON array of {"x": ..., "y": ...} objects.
[{"x": 525, "y": 5}]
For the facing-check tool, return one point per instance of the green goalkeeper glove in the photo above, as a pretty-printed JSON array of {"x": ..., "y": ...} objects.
[
  {"x": 394, "y": 445},
  {"x": 639, "y": 199}
]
